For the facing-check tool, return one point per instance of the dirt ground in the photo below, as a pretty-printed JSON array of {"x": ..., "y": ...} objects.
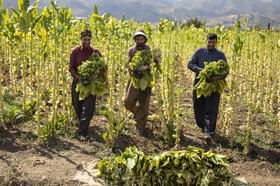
[{"x": 70, "y": 162}]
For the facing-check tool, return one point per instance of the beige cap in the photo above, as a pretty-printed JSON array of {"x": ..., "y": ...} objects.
[{"x": 139, "y": 33}]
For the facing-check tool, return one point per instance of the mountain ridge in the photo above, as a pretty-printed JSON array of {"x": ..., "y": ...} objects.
[{"x": 226, "y": 12}]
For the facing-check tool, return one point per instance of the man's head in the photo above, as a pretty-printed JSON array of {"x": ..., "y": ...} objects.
[
  {"x": 85, "y": 37},
  {"x": 211, "y": 41},
  {"x": 140, "y": 38}
]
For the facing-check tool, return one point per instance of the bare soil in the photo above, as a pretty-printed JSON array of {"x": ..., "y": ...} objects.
[{"x": 67, "y": 161}]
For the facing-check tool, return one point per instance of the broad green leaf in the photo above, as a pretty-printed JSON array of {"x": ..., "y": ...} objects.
[
  {"x": 98, "y": 17},
  {"x": 221, "y": 156},
  {"x": 3, "y": 16},
  {"x": 22, "y": 22},
  {"x": 35, "y": 4},
  {"x": 46, "y": 12},
  {"x": 38, "y": 19},
  {"x": 180, "y": 180},
  {"x": 143, "y": 84},
  {"x": 54, "y": 5},
  {"x": 245, "y": 20},
  {"x": 30, "y": 10},
  {"x": 131, "y": 163},
  {"x": 15, "y": 13},
  {"x": 23, "y": 5},
  {"x": 18, "y": 38}
]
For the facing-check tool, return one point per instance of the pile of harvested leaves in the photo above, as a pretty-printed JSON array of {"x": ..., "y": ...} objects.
[{"x": 188, "y": 167}]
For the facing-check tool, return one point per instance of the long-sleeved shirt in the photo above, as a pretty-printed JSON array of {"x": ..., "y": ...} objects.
[
  {"x": 201, "y": 55},
  {"x": 133, "y": 50},
  {"x": 77, "y": 56}
]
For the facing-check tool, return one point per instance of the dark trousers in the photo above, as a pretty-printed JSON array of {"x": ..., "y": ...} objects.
[
  {"x": 84, "y": 109},
  {"x": 137, "y": 102},
  {"x": 206, "y": 111}
]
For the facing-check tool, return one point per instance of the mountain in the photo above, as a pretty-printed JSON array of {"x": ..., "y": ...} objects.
[{"x": 226, "y": 12}]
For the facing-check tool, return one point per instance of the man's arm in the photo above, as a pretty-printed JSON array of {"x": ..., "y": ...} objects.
[
  {"x": 72, "y": 66},
  {"x": 130, "y": 56},
  {"x": 192, "y": 65}
]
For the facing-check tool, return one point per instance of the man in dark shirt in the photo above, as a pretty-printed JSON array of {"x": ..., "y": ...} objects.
[
  {"x": 136, "y": 100},
  {"x": 206, "y": 108},
  {"x": 83, "y": 108}
]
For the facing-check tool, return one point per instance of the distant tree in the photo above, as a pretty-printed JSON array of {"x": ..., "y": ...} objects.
[
  {"x": 257, "y": 27},
  {"x": 195, "y": 22},
  {"x": 164, "y": 23}
]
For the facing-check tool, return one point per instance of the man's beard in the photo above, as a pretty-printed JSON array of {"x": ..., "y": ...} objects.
[{"x": 140, "y": 45}]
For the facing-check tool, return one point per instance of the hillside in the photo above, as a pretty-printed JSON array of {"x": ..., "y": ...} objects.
[{"x": 257, "y": 12}]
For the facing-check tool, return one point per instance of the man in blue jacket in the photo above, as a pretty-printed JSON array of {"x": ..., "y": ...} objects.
[{"x": 206, "y": 108}]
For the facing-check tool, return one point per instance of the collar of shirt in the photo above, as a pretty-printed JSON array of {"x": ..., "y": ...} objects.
[
  {"x": 210, "y": 51},
  {"x": 145, "y": 48},
  {"x": 83, "y": 48}
]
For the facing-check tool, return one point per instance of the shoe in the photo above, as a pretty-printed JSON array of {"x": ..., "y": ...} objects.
[
  {"x": 83, "y": 138},
  {"x": 141, "y": 130},
  {"x": 208, "y": 139},
  {"x": 202, "y": 130}
]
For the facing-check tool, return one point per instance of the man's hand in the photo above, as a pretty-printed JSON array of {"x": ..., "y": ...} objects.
[
  {"x": 142, "y": 68},
  {"x": 92, "y": 77},
  {"x": 136, "y": 74},
  {"x": 213, "y": 78},
  {"x": 82, "y": 81}
]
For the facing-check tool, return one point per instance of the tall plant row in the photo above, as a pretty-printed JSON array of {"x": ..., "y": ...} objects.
[{"x": 35, "y": 48}]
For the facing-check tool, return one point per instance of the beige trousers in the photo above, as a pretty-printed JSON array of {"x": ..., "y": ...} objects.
[{"x": 137, "y": 102}]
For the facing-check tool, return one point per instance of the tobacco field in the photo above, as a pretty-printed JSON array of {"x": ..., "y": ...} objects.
[{"x": 38, "y": 128}]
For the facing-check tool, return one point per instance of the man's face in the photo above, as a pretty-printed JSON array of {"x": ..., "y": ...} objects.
[
  {"x": 211, "y": 43},
  {"x": 140, "y": 41},
  {"x": 86, "y": 41}
]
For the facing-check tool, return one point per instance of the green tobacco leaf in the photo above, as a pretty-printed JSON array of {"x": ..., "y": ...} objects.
[
  {"x": 143, "y": 84},
  {"x": 23, "y": 5},
  {"x": 35, "y": 4},
  {"x": 54, "y": 5},
  {"x": 15, "y": 13},
  {"x": 38, "y": 19},
  {"x": 131, "y": 163},
  {"x": 3, "y": 15},
  {"x": 30, "y": 9},
  {"x": 22, "y": 22},
  {"x": 159, "y": 169}
]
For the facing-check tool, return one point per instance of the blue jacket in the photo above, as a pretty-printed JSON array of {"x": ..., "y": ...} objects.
[{"x": 201, "y": 55}]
